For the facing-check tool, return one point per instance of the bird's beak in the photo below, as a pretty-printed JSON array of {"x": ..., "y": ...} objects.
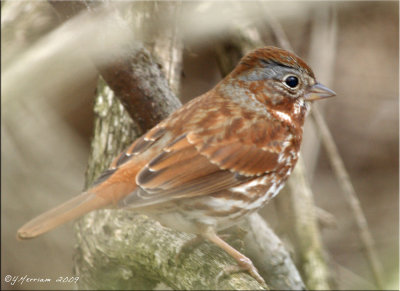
[{"x": 319, "y": 91}]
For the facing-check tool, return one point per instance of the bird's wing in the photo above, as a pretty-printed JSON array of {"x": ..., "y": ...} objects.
[{"x": 208, "y": 161}]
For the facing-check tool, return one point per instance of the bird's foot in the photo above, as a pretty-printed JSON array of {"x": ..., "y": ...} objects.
[{"x": 244, "y": 264}]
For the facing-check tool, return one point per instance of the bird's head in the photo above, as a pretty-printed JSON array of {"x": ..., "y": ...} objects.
[{"x": 277, "y": 76}]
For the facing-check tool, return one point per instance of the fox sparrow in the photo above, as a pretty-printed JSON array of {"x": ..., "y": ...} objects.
[{"x": 218, "y": 158}]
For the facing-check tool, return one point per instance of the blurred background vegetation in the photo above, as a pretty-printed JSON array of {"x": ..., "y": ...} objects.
[{"x": 48, "y": 85}]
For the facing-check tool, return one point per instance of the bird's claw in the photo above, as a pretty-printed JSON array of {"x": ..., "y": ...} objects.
[{"x": 244, "y": 265}]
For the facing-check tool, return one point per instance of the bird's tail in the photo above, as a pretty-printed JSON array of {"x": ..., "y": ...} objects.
[
  {"x": 63, "y": 213},
  {"x": 108, "y": 190}
]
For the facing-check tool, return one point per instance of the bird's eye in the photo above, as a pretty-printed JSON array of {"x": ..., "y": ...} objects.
[{"x": 291, "y": 81}]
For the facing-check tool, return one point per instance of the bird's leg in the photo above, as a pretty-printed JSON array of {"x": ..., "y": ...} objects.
[
  {"x": 244, "y": 263},
  {"x": 234, "y": 236}
]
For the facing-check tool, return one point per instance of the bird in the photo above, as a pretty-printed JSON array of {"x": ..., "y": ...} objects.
[{"x": 220, "y": 157}]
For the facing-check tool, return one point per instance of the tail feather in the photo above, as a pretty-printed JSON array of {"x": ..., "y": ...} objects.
[{"x": 63, "y": 213}]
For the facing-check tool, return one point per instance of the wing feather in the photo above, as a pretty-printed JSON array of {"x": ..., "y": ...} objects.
[{"x": 198, "y": 164}]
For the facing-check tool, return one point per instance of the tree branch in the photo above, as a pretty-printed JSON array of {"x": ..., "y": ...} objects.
[
  {"x": 132, "y": 74},
  {"x": 270, "y": 256},
  {"x": 299, "y": 203}
]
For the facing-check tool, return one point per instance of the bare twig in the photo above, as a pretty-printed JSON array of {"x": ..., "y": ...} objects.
[
  {"x": 336, "y": 161},
  {"x": 351, "y": 197},
  {"x": 277, "y": 29},
  {"x": 321, "y": 57},
  {"x": 325, "y": 218}
]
